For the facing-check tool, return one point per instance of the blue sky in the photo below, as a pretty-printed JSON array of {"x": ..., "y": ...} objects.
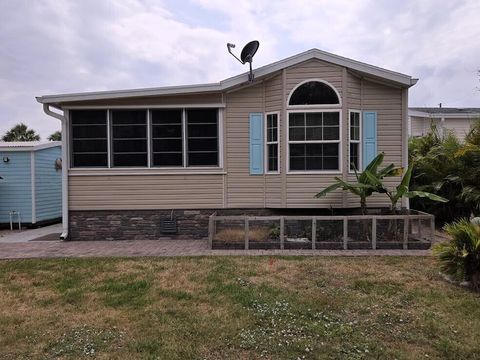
[{"x": 61, "y": 46}]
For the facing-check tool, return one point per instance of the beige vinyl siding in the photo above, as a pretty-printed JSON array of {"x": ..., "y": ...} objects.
[
  {"x": 314, "y": 69},
  {"x": 387, "y": 102},
  {"x": 273, "y": 103},
  {"x": 243, "y": 190},
  {"x": 273, "y": 191},
  {"x": 215, "y": 98},
  {"x": 301, "y": 189},
  {"x": 354, "y": 91},
  {"x": 236, "y": 188},
  {"x": 273, "y": 94},
  {"x": 134, "y": 192},
  {"x": 460, "y": 127},
  {"x": 417, "y": 126}
]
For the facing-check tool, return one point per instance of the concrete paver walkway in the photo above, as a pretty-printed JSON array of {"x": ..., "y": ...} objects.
[{"x": 55, "y": 249}]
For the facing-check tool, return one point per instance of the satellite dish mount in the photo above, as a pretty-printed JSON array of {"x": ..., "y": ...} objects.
[{"x": 246, "y": 55}]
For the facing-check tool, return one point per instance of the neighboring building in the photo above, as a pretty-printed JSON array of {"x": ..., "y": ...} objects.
[
  {"x": 458, "y": 120},
  {"x": 133, "y": 156},
  {"x": 32, "y": 182}
]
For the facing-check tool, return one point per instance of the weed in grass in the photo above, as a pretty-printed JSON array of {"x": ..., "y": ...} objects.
[{"x": 84, "y": 341}]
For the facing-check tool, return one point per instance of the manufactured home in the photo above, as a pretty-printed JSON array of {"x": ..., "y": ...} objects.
[
  {"x": 457, "y": 120},
  {"x": 147, "y": 163},
  {"x": 31, "y": 185}
]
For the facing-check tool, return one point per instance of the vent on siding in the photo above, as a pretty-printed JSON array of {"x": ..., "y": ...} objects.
[{"x": 169, "y": 224}]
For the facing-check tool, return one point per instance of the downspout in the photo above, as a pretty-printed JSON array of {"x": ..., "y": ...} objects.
[{"x": 62, "y": 118}]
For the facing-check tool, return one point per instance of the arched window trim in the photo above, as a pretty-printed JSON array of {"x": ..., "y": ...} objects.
[{"x": 339, "y": 104}]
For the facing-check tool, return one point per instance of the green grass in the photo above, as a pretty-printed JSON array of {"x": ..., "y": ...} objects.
[{"x": 235, "y": 307}]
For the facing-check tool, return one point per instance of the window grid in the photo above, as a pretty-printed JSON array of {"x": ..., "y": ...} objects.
[
  {"x": 111, "y": 141},
  {"x": 161, "y": 132},
  {"x": 89, "y": 127},
  {"x": 354, "y": 141},
  {"x": 272, "y": 148},
  {"x": 201, "y": 142},
  {"x": 323, "y": 152},
  {"x": 129, "y": 147}
]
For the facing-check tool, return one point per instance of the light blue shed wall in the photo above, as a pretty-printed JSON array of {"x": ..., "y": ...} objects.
[
  {"x": 16, "y": 186},
  {"x": 48, "y": 184}
]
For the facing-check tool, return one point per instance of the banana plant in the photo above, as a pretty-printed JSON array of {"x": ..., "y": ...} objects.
[
  {"x": 364, "y": 187},
  {"x": 402, "y": 190}
]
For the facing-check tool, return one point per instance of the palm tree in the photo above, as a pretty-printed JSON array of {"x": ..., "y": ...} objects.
[
  {"x": 402, "y": 190},
  {"x": 460, "y": 256},
  {"x": 56, "y": 136},
  {"x": 364, "y": 187},
  {"x": 21, "y": 132}
]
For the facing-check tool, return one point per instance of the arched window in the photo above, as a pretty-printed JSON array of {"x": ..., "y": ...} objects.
[
  {"x": 314, "y": 128},
  {"x": 314, "y": 93}
]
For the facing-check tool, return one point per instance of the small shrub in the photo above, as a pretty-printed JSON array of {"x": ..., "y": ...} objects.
[{"x": 460, "y": 256}]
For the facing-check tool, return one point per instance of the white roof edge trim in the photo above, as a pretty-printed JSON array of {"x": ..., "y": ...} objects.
[
  {"x": 393, "y": 76},
  {"x": 446, "y": 116},
  {"x": 27, "y": 147}
]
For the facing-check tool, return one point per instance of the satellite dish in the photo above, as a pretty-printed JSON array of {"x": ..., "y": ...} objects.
[
  {"x": 248, "y": 51},
  {"x": 246, "y": 55}
]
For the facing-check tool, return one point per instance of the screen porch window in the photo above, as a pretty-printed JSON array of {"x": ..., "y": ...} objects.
[
  {"x": 354, "y": 141},
  {"x": 314, "y": 141},
  {"x": 272, "y": 142},
  {"x": 202, "y": 137},
  {"x": 129, "y": 138},
  {"x": 167, "y": 138},
  {"x": 89, "y": 138},
  {"x": 172, "y": 137}
]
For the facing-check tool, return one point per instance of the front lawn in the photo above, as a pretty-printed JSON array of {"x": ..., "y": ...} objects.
[{"x": 235, "y": 308}]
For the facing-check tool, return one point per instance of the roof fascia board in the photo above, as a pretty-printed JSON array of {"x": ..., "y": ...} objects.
[
  {"x": 446, "y": 116},
  {"x": 30, "y": 148},
  {"x": 117, "y": 94}
]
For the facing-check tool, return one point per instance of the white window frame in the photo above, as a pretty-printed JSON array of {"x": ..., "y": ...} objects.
[
  {"x": 272, "y": 142},
  {"x": 359, "y": 141},
  {"x": 339, "y": 142},
  {"x": 317, "y": 106},
  {"x": 132, "y": 169}
]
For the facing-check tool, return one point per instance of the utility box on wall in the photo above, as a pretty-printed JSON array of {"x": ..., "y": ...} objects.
[{"x": 31, "y": 182}]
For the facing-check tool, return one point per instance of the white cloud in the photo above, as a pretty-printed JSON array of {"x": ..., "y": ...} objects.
[{"x": 56, "y": 46}]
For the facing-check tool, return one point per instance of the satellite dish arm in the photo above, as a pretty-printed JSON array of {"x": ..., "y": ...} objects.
[{"x": 229, "y": 46}]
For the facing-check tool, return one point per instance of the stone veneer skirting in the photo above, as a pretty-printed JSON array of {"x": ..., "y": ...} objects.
[{"x": 145, "y": 224}]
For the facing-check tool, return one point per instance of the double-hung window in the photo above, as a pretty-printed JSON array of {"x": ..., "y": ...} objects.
[
  {"x": 314, "y": 141},
  {"x": 272, "y": 148},
  {"x": 354, "y": 156}
]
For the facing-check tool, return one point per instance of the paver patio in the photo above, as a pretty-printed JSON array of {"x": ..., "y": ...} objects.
[
  {"x": 18, "y": 245},
  {"x": 51, "y": 249}
]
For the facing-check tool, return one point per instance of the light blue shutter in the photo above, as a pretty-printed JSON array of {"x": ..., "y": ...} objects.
[
  {"x": 369, "y": 137},
  {"x": 256, "y": 143}
]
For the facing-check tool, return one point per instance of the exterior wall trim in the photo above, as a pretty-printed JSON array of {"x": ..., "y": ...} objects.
[
  {"x": 266, "y": 172},
  {"x": 340, "y": 144},
  {"x": 32, "y": 181},
  {"x": 172, "y": 106}
]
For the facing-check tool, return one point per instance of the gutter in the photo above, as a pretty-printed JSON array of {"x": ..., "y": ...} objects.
[{"x": 63, "y": 119}]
